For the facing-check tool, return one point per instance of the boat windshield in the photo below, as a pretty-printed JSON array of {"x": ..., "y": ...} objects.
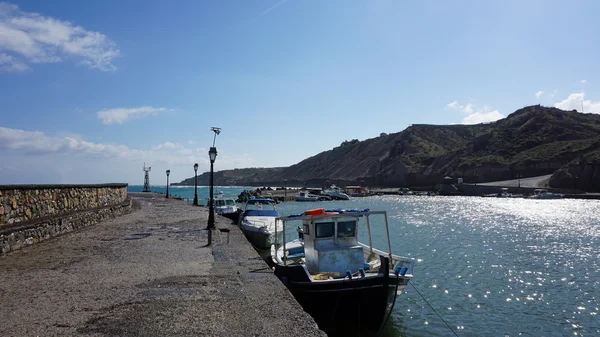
[
  {"x": 346, "y": 229},
  {"x": 230, "y": 202},
  {"x": 219, "y": 202},
  {"x": 324, "y": 229}
]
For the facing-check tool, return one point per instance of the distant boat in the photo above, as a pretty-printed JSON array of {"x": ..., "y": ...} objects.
[
  {"x": 504, "y": 193},
  {"x": 336, "y": 193},
  {"x": 257, "y": 221},
  {"x": 337, "y": 279},
  {"x": 405, "y": 191},
  {"x": 356, "y": 191},
  {"x": 541, "y": 193},
  {"x": 305, "y": 196}
]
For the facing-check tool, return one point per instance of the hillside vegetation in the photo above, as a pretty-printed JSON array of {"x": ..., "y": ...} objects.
[{"x": 531, "y": 141}]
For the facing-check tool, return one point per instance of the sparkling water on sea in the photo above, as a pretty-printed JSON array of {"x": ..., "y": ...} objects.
[{"x": 489, "y": 266}]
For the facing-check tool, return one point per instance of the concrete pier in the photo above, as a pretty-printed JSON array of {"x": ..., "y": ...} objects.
[{"x": 148, "y": 273}]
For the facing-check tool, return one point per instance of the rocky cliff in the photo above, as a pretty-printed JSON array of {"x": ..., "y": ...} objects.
[
  {"x": 582, "y": 173},
  {"x": 531, "y": 141}
]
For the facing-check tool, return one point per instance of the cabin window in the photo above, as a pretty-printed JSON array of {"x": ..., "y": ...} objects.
[
  {"x": 346, "y": 229},
  {"x": 324, "y": 229},
  {"x": 305, "y": 230},
  {"x": 230, "y": 202}
]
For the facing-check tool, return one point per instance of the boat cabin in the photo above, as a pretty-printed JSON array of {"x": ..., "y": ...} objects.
[
  {"x": 260, "y": 207},
  {"x": 224, "y": 202},
  {"x": 331, "y": 245}
]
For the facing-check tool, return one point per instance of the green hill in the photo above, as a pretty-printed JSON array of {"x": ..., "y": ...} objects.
[{"x": 532, "y": 141}]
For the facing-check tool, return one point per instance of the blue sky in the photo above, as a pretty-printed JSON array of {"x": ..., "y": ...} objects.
[{"x": 89, "y": 90}]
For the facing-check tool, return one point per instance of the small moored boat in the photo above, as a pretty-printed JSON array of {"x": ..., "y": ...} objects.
[
  {"x": 305, "y": 196},
  {"x": 335, "y": 193},
  {"x": 340, "y": 281},
  {"x": 258, "y": 222},
  {"x": 226, "y": 207}
]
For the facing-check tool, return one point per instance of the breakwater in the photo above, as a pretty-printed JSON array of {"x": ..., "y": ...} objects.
[
  {"x": 33, "y": 213},
  {"x": 148, "y": 273}
]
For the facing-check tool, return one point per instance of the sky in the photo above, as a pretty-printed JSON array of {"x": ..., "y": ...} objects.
[{"x": 92, "y": 90}]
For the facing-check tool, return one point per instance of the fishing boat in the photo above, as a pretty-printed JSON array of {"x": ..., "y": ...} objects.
[
  {"x": 335, "y": 193},
  {"x": 305, "y": 196},
  {"x": 258, "y": 222},
  {"x": 340, "y": 281}
]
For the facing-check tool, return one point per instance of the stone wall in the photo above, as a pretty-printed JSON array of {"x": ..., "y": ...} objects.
[
  {"x": 19, "y": 236},
  {"x": 20, "y": 203},
  {"x": 33, "y": 213}
]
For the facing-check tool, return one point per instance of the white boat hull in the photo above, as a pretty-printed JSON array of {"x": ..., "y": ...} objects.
[{"x": 259, "y": 238}]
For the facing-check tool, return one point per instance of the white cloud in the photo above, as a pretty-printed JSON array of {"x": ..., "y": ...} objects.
[
  {"x": 35, "y": 142},
  {"x": 575, "y": 101},
  {"x": 539, "y": 94},
  {"x": 468, "y": 108},
  {"x": 33, "y": 38},
  {"x": 167, "y": 145},
  {"x": 120, "y": 115},
  {"x": 475, "y": 115},
  {"x": 482, "y": 117},
  {"x": 72, "y": 159},
  {"x": 583, "y": 81},
  {"x": 452, "y": 105},
  {"x": 10, "y": 64}
]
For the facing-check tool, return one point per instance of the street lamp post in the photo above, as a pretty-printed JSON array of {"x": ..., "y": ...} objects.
[
  {"x": 196, "y": 184},
  {"x": 212, "y": 153},
  {"x": 285, "y": 190},
  {"x": 519, "y": 176},
  {"x": 168, "y": 172}
]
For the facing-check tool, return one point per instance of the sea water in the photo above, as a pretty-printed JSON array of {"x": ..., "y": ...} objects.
[
  {"x": 488, "y": 266},
  {"x": 187, "y": 192}
]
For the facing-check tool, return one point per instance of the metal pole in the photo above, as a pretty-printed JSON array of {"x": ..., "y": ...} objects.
[
  {"x": 283, "y": 239},
  {"x": 285, "y": 190},
  {"x": 369, "y": 231},
  {"x": 167, "y": 185},
  {"x": 387, "y": 230},
  {"x": 211, "y": 206},
  {"x": 195, "y": 188}
]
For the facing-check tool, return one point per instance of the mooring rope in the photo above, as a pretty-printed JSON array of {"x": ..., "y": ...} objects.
[{"x": 438, "y": 315}]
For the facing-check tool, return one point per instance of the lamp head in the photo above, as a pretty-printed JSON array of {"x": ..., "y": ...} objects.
[
  {"x": 212, "y": 153},
  {"x": 196, "y": 167},
  {"x": 168, "y": 172}
]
